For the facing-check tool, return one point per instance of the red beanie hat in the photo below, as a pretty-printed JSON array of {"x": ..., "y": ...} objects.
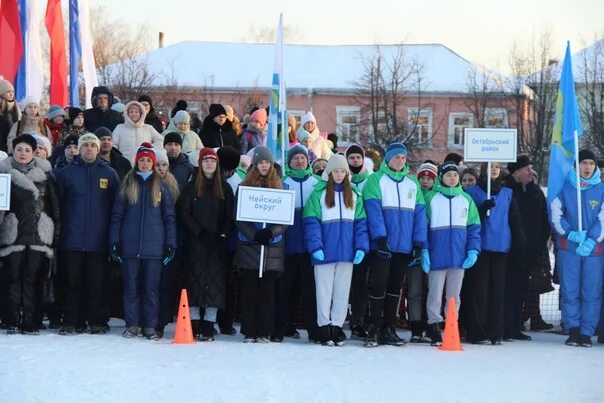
[
  {"x": 206, "y": 153},
  {"x": 145, "y": 150}
]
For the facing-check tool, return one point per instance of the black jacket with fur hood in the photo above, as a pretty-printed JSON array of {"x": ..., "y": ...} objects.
[{"x": 33, "y": 218}]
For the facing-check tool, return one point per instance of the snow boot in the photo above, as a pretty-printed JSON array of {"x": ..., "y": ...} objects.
[
  {"x": 585, "y": 340},
  {"x": 292, "y": 333},
  {"x": 150, "y": 333},
  {"x": 417, "y": 331},
  {"x": 207, "y": 331},
  {"x": 538, "y": 324},
  {"x": 131, "y": 332},
  {"x": 574, "y": 337},
  {"x": 229, "y": 331},
  {"x": 390, "y": 337},
  {"x": 372, "y": 336},
  {"x": 98, "y": 329},
  {"x": 358, "y": 332},
  {"x": 263, "y": 340},
  {"x": 67, "y": 330},
  {"x": 434, "y": 334},
  {"x": 276, "y": 339},
  {"x": 338, "y": 336},
  {"x": 326, "y": 338}
]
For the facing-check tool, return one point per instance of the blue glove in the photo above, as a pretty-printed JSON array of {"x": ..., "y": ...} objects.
[
  {"x": 319, "y": 255},
  {"x": 586, "y": 247},
  {"x": 577, "y": 236},
  {"x": 358, "y": 257},
  {"x": 425, "y": 260},
  {"x": 470, "y": 259}
]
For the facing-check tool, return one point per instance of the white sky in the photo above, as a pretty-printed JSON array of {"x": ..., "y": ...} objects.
[{"x": 482, "y": 31}]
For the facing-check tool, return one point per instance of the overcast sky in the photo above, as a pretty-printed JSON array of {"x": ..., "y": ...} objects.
[{"x": 482, "y": 31}]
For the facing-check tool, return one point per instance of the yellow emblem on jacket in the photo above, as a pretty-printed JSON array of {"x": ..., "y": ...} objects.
[
  {"x": 103, "y": 183},
  {"x": 593, "y": 203}
]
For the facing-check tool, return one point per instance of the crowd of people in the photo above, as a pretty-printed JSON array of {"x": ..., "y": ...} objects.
[{"x": 103, "y": 200}]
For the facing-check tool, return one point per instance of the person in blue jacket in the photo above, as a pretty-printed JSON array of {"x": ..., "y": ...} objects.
[
  {"x": 86, "y": 189},
  {"x": 336, "y": 235},
  {"x": 142, "y": 237},
  {"x": 454, "y": 238},
  {"x": 299, "y": 275},
  {"x": 396, "y": 217},
  {"x": 484, "y": 286},
  {"x": 580, "y": 251}
]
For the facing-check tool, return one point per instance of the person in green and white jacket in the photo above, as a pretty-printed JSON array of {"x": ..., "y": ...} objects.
[{"x": 454, "y": 239}]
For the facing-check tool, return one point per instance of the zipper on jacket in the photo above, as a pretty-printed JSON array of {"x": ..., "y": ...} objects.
[
  {"x": 340, "y": 202},
  {"x": 450, "y": 212}
]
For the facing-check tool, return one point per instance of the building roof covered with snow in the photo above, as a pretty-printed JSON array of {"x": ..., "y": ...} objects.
[{"x": 227, "y": 65}]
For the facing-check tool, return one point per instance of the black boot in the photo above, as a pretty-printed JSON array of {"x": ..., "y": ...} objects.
[
  {"x": 417, "y": 331},
  {"x": 339, "y": 337},
  {"x": 538, "y": 324},
  {"x": 390, "y": 337},
  {"x": 358, "y": 332},
  {"x": 585, "y": 340},
  {"x": 326, "y": 338},
  {"x": 434, "y": 334},
  {"x": 574, "y": 338},
  {"x": 372, "y": 336},
  {"x": 207, "y": 331}
]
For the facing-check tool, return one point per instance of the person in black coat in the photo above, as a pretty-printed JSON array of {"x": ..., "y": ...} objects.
[
  {"x": 28, "y": 231},
  {"x": 87, "y": 188},
  {"x": 533, "y": 211},
  {"x": 217, "y": 130},
  {"x": 206, "y": 209},
  {"x": 9, "y": 111},
  {"x": 180, "y": 166},
  {"x": 116, "y": 160},
  {"x": 101, "y": 113},
  {"x": 151, "y": 117}
]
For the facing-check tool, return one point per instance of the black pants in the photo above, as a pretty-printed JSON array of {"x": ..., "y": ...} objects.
[
  {"x": 289, "y": 290},
  {"x": 258, "y": 303},
  {"x": 225, "y": 316},
  {"x": 485, "y": 288},
  {"x": 516, "y": 284},
  {"x": 385, "y": 282},
  {"x": 85, "y": 274},
  {"x": 22, "y": 271},
  {"x": 168, "y": 293},
  {"x": 309, "y": 292},
  {"x": 358, "y": 293}
]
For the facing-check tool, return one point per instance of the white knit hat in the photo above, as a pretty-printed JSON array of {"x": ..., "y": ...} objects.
[
  {"x": 336, "y": 161},
  {"x": 181, "y": 117},
  {"x": 307, "y": 117},
  {"x": 161, "y": 155},
  {"x": 43, "y": 140},
  {"x": 27, "y": 101}
]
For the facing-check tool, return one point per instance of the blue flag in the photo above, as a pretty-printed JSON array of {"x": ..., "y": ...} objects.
[
  {"x": 276, "y": 141},
  {"x": 567, "y": 125}
]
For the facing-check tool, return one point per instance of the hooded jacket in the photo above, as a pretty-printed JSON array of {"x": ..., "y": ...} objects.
[
  {"x": 128, "y": 136},
  {"x": 95, "y": 117},
  {"x": 213, "y": 135}
]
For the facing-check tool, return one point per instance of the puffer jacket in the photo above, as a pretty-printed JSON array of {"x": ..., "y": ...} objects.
[{"x": 128, "y": 136}]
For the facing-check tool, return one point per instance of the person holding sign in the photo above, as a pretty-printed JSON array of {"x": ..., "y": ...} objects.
[
  {"x": 397, "y": 223},
  {"x": 336, "y": 236},
  {"x": 28, "y": 232},
  {"x": 454, "y": 238},
  {"x": 484, "y": 287},
  {"x": 580, "y": 249},
  {"x": 258, "y": 297}
]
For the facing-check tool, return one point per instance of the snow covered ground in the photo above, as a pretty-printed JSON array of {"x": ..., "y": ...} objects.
[{"x": 86, "y": 368}]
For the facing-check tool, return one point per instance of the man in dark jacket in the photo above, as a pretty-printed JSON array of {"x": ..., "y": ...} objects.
[
  {"x": 116, "y": 160},
  {"x": 101, "y": 113},
  {"x": 217, "y": 130},
  {"x": 180, "y": 166},
  {"x": 150, "y": 118},
  {"x": 87, "y": 188},
  {"x": 535, "y": 224}
]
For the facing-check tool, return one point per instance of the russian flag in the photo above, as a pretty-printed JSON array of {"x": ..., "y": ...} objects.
[
  {"x": 80, "y": 49},
  {"x": 11, "y": 45},
  {"x": 58, "y": 53},
  {"x": 30, "y": 78}
]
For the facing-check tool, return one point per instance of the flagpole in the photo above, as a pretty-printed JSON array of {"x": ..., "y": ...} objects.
[{"x": 578, "y": 183}]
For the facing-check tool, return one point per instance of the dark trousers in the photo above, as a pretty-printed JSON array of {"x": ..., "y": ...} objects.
[
  {"x": 141, "y": 291},
  {"x": 289, "y": 290},
  {"x": 168, "y": 292},
  {"x": 84, "y": 278},
  {"x": 385, "y": 282},
  {"x": 258, "y": 303},
  {"x": 309, "y": 292},
  {"x": 516, "y": 284},
  {"x": 485, "y": 288},
  {"x": 358, "y": 293},
  {"x": 225, "y": 316},
  {"x": 22, "y": 273}
]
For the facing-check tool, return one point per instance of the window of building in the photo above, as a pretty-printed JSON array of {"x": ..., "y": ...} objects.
[
  {"x": 420, "y": 124},
  {"x": 496, "y": 118},
  {"x": 348, "y": 120},
  {"x": 457, "y": 123},
  {"x": 298, "y": 115}
]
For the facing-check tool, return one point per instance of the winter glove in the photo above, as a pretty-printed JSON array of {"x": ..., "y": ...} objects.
[
  {"x": 263, "y": 236},
  {"x": 319, "y": 255},
  {"x": 425, "y": 261},
  {"x": 471, "y": 258},
  {"x": 383, "y": 250},
  {"x": 586, "y": 247},
  {"x": 486, "y": 206},
  {"x": 168, "y": 256},
  {"x": 114, "y": 252},
  {"x": 577, "y": 236},
  {"x": 358, "y": 257}
]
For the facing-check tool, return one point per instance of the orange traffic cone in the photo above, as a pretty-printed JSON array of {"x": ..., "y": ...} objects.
[
  {"x": 183, "y": 333},
  {"x": 451, "y": 340}
]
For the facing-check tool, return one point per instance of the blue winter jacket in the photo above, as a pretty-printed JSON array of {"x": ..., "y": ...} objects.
[
  {"x": 86, "y": 195},
  {"x": 495, "y": 230},
  {"x": 564, "y": 216},
  {"x": 303, "y": 185},
  {"x": 142, "y": 229},
  {"x": 338, "y": 231}
]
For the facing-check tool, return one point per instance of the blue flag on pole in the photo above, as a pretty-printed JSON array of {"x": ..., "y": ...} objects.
[
  {"x": 567, "y": 127},
  {"x": 275, "y": 140},
  {"x": 75, "y": 52}
]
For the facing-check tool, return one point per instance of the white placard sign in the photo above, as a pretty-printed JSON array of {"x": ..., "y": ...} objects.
[
  {"x": 4, "y": 192},
  {"x": 270, "y": 206},
  {"x": 490, "y": 145}
]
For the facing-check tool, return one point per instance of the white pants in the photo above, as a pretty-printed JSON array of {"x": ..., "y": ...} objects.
[
  {"x": 333, "y": 287},
  {"x": 436, "y": 283}
]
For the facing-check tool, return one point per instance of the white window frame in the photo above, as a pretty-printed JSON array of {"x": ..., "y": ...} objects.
[
  {"x": 298, "y": 113},
  {"x": 342, "y": 111},
  {"x": 496, "y": 111},
  {"x": 452, "y": 126},
  {"x": 420, "y": 113}
]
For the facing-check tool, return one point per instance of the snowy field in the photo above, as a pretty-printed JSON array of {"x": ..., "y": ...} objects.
[{"x": 109, "y": 368}]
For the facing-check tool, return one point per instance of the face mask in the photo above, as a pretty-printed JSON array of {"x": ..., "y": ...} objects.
[{"x": 355, "y": 170}]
